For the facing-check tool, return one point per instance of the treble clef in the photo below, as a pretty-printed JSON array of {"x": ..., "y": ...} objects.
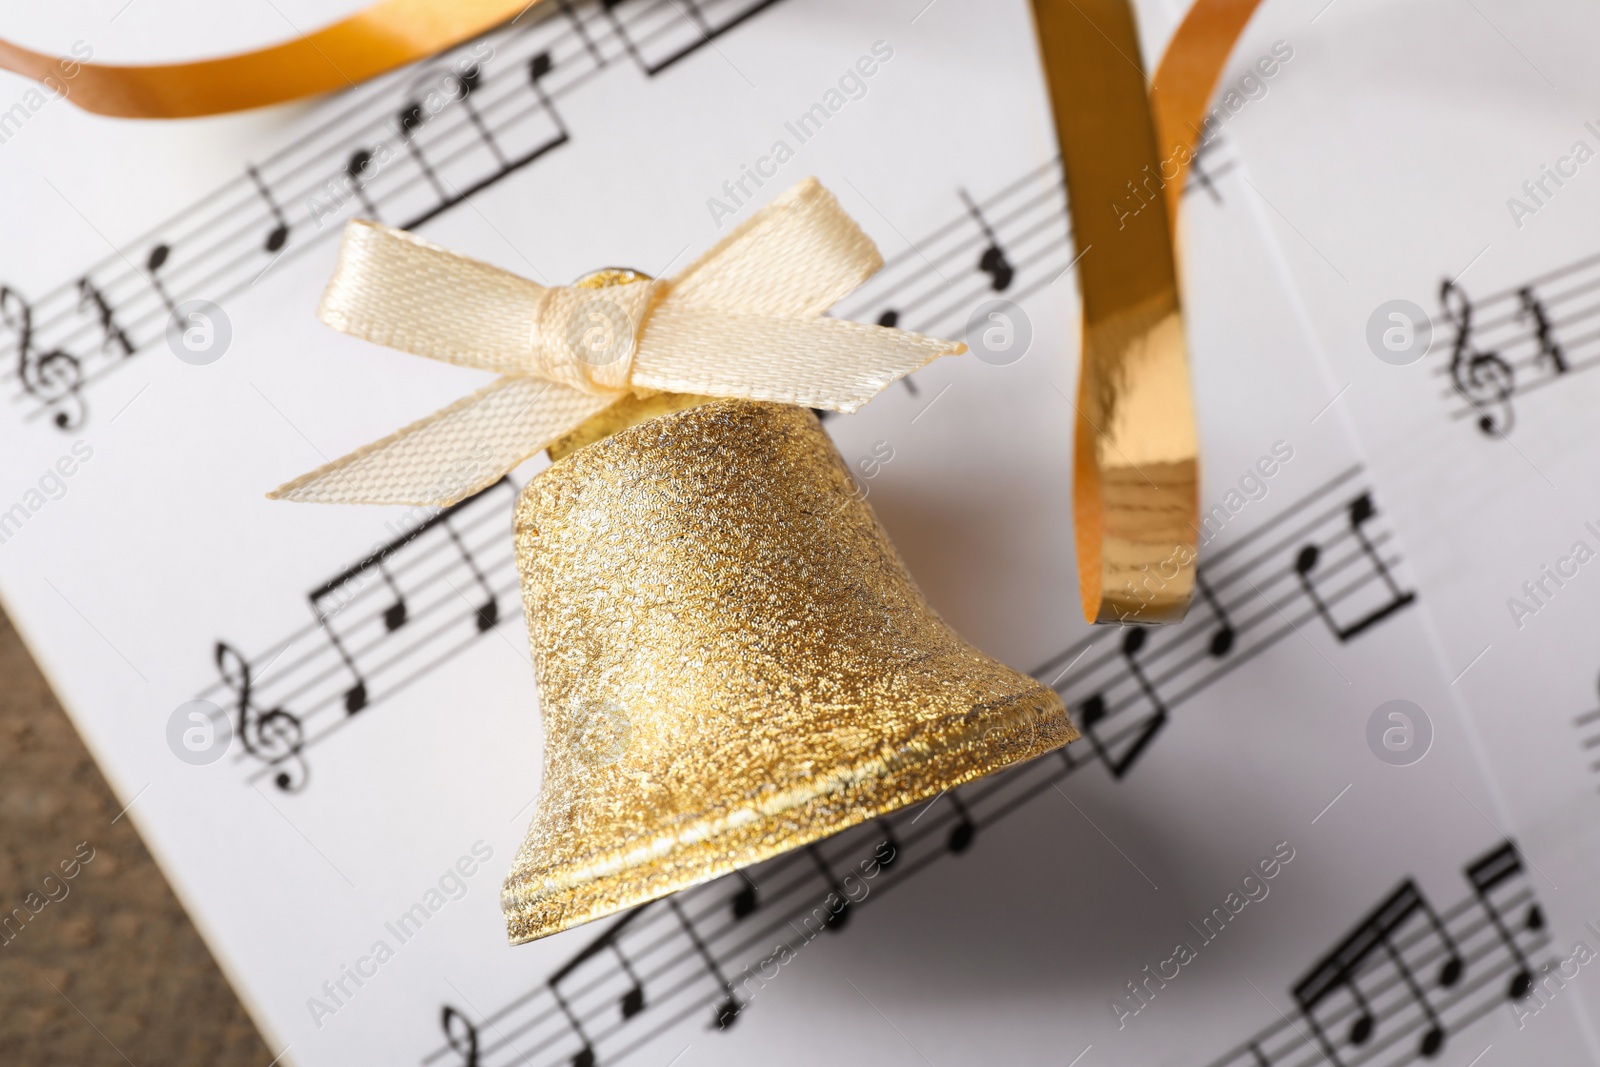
[
  {"x": 1482, "y": 378},
  {"x": 273, "y": 737},
  {"x": 466, "y": 1041},
  {"x": 53, "y": 377}
]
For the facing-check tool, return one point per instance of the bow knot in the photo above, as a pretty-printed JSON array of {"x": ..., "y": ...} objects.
[
  {"x": 587, "y": 337},
  {"x": 744, "y": 321}
]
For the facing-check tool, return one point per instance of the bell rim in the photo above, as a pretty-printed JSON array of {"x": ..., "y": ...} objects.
[{"x": 698, "y": 851}]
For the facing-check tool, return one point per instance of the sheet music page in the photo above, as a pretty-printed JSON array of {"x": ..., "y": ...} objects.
[
  {"x": 1239, "y": 863},
  {"x": 1453, "y": 304}
]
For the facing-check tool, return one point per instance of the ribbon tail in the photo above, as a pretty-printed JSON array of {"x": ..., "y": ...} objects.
[
  {"x": 376, "y": 39},
  {"x": 395, "y": 289},
  {"x": 453, "y": 453},
  {"x": 797, "y": 257},
  {"x": 816, "y": 363}
]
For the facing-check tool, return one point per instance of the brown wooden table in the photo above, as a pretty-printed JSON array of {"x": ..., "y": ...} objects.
[{"x": 112, "y": 972}]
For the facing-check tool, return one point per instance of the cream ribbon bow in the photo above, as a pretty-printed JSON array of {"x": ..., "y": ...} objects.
[{"x": 744, "y": 321}]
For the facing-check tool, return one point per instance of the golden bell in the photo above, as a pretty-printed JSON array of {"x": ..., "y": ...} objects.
[{"x": 733, "y": 661}]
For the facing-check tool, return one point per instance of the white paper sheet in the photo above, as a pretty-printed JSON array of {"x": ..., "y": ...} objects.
[{"x": 157, "y": 574}]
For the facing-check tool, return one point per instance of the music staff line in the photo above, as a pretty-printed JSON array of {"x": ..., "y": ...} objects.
[
  {"x": 408, "y": 570},
  {"x": 1517, "y": 341},
  {"x": 354, "y": 697},
  {"x": 376, "y": 129},
  {"x": 1423, "y": 994},
  {"x": 1493, "y": 951},
  {"x": 568, "y": 1015},
  {"x": 1590, "y": 745},
  {"x": 420, "y": 671},
  {"x": 1031, "y": 210},
  {"x": 706, "y": 903},
  {"x": 1022, "y": 230},
  {"x": 201, "y": 263},
  {"x": 1291, "y": 625},
  {"x": 56, "y": 378},
  {"x": 1279, "y": 536},
  {"x": 1183, "y": 651},
  {"x": 1540, "y": 350},
  {"x": 427, "y": 573},
  {"x": 585, "y": 40},
  {"x": 949, "y": 826}
]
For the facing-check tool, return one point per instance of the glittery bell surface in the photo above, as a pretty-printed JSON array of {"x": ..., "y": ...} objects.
[{"x": 732, "y": 662}]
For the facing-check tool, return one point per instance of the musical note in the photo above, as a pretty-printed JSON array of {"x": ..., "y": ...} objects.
[
  {"x": 355, "y": 697},
  {"x": 585, "y": 1055},
  {"x": 278, "y": 236},
  {"x": 1341, "y": 968},
  {"x": 539, "y": 67},
  {"x": 394, "y": 616},
  {"x": 1377, "y": 968},
  {"x": 1482, "y": 378},
  {"x": 582, "y": 31},
  {"x": 1361, "y": 512},
  {"x": 1454, "y": 965},
  {"x": 113, "y": 334},
  {"x": 152, "y": 265},
  {"x": 632, "y": 1002},
  {"x": 1549, "y": 351},
  {"x": 889, "y": 851},
  {"x": 413, "y": 117},
  {"x": 1095, "y": 710},
  {"x": 461, "y": 1035},
  {"x": 331, "y": 598},
  {"x": 993, "y": 261},
  {"x": 356, "y": 171},
  {"x": 1484, "y": 875},
  {"x": 53, "y": 377},
  {"x": 609, "y": 7},
  {"x": 964, "y": 831},
  {"x": 274, "y": 737},
  {"x": 836, "y": 919},
  {"x": 727, "y": 1011},
  {"x": 747, "y": 899},
  {"x": 1222, "y": 638},
  {"x": 488, "y": 613},
  {"x": 467, "y": 83},
  {"x": 477, "y": 137}
]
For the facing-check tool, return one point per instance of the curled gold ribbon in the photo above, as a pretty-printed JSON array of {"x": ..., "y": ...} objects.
[
  {"x": 376, "y": 39},
  {"x": 1136, "y": 453},
  {"x": 1184, "y": 82},
  {"x": 744, "y": 321},
  {"x": 1135, "y": 465}
]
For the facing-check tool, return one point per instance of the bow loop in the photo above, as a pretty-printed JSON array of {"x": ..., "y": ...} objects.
[
  {"x": 742, "y": 322},
  {"x": 395, "y": 289},
  {"x": 796, "y": 257}
]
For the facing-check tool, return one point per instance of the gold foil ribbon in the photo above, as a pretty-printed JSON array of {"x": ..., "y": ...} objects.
[
  {"x": 744, "y": 321},
  {"x": 1136, "y": 454},
  {"x": 376, "y": 39},
  {"x": 1184, "y": 83}
]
